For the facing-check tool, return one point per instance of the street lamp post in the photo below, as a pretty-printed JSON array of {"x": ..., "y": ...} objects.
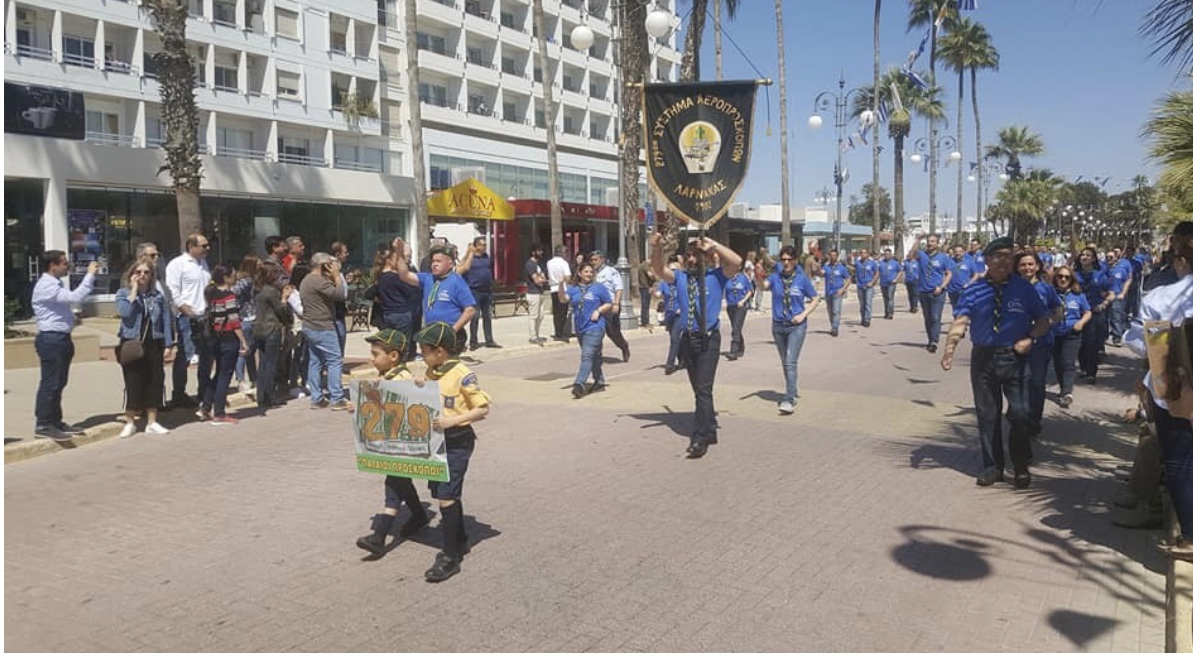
[
  {"x": 922, "y": 150},
  {"x": 981, "y": 172},
  {"x": 839, "y": 103}
]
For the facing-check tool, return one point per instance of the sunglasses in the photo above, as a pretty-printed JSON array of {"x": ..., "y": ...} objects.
[
  {"x": 205, "y": 245},
  {"x": 1063, "y": 277},
  {"x": 153, "y": 255},
  {"x": 142, "y": 272},
  {"x": 786, "y": 259}
]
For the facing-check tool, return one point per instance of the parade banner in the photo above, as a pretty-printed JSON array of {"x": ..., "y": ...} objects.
[
  {"x": 392, "y": 423},
  {"x": 697, "y": 138}
]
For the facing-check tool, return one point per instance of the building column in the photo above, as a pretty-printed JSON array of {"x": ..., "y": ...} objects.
[
  {"x": 242, "y": 70},
  {"x": 101, "y": 46},
  {"x": 138, "y": 55},
  {"x": 56, "y": 36},
  {"x": 212, "y": 133},
  {"x": 56, "y": 233},
  {"x": 350, "y": 37},
  {"x": 329, "y": 148},
  {"x": 209, "y": 10},
  {"x": 241, "y": 15},
  {"x": 271, "y": 147},
  {"x": 139, "y": 129},
  {"x": 10, "y": 23},
  {"x": 209, "y": 67}
]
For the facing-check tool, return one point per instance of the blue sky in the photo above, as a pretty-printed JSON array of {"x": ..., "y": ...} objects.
[{"x": 1074, "y": 71}]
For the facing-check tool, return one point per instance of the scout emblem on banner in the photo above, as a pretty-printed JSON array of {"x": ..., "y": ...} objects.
[
  {"x": 394, "y": 432},
  {"x": 697, "y": 138}
]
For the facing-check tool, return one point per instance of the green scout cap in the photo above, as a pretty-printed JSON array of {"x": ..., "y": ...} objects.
[
  {"x": 391, "y": 338},
  {"x": 438, "y": 334},
  {"x": 998, "y": 244}
]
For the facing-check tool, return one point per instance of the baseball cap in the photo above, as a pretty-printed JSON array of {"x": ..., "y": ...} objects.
[
  {"x": 391, "y": 338},
  {"x": 438, "y": 334}
]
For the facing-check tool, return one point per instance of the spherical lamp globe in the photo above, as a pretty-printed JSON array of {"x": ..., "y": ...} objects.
[
  {"x": 866, "y": 116},
  {"x": 1003, "y": 177},
  {"x": 955, "y": 156},
  {"x": 814, "y": 122},
  {"x": 917, "y": 158},
  {"x": 658, "y": 23},
  {"x": 582, "y": 37}
]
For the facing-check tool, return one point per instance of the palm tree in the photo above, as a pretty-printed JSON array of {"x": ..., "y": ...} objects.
[
  {"x": 875, "y": 240},
  {"x": 785, "y": 183},
  {"x": 924, "y": 13},
  {"x": 180, "y": 114},
  {"x": 716, "y": 31},
  {"x": 540, "y": 27},
  {"x": 422, "y": 223},
  {"x": 1171, "y": 133},
  {"x": 634, "y": 48},
  {"x": 1025, "y": 201},
  {"x": 689, "y": 67},
  {"x": 1015, "y": 142},
  {"x": 1170, "y": 25},
  {"x": 965, "y": 48}
]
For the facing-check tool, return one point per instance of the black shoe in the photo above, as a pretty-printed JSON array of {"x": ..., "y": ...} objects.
[
  {"x": 932, "y": 348},
  {"x": 833, "y": 332},
  {"x": 865, "y": 324},
  {"x": 474, "y": 346},
  {"x": 413, "y": 525},
  {"x": 70, "y": 429},
  {"x": 184, "y": 401},
  {"x": 597, "y": 388},
  {"x": 51, "y": 433},
  {"x": 625, "y": 354},
  {"x": 669, "y": 370},
  {"x": 374, "y": 544},
  {"x": 445, "y": 567},
  {"x": 493, "y": 346},
  {"x": 731, "y": 357},
  {"x": 990, "y": 476},
  {"x": 577, "y": 391},
  {"x": 1022, "y": 480},
  {"x": 697, "y": 449}
]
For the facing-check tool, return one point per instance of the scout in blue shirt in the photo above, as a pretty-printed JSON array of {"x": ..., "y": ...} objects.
[
  {"x": 1121, "y": 278},
  {"x": 1098, "y": 287},
  {"x": 702, "y": 341},
  {"x": 1067, "y": 333},
  {"x": 962, "y": 274},
  {"x": 670, "y": 313},
  {"x": 889, "y": 270},
  {"x": 977, "y": 262},
  {"x": 1007, "y": 318},
  {"x": 936, "y": 271},
  {"x": 911, "y": 281},
  {"x": 836, "y": 284},
  {"x": 1029, "y": 267},
  {"x": 588, "y": 300},
  {"x": 738, "y": 292},
  {"x": 793, "y": 298},
  {"x": 866, "y": 273},
  {"x": 446, "y": 296}
]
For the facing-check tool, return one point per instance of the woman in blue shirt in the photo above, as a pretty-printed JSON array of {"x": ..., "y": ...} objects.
[
  {"x": 793, "y": 298},
  {"x": 588, "y": 301},
  {"x": 1029, "y": 266},
  {"x": 836, "y": 284},
  {"x": 737, "y": 299},
  {"x": 670, "y": 313},
  {"x": 911, "y": 281},
  {"x": 1066, "y": 334},
  {"x": 1097, "y": 287}
]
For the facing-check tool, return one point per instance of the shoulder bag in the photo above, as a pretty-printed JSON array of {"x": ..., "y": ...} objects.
[{"x": 133, "y": 350}]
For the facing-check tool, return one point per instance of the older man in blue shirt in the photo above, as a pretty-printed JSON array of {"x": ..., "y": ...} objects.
[
  {"x": 889, "y": 271},
  {"x": 55, "y": 319},
  {"x": 936, "y": 271},
  {"x": 866, "y": 274}
]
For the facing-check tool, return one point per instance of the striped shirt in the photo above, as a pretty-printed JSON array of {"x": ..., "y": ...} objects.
[{"x": 224, "y": 312}]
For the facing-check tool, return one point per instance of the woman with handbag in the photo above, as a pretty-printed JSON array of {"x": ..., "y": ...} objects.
[
  {"x": 146, "y": 343},
  {"x": 270, "y": 330}
]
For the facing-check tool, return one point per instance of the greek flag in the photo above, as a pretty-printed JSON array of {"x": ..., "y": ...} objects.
[
  {"x": 861, "y": 137},
  {"x": 883, "y": 114},
  {"x": 895, "y": 97},
  {"x": 967, "y": 5},
  {"x": 915, "y": 78}
]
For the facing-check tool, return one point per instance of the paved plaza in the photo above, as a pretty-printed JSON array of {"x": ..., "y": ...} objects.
[{"x": 853, "y": 525}]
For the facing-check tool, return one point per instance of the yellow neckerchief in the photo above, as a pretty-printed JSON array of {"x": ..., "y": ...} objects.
[
  {"x": 443, "y": 369},
  {"x": 396, "y": 370}
]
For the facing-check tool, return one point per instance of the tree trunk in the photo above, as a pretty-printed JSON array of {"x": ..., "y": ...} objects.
[
  {"x": 540, "y": 26},
  {"x": 960, "y": 169},
  {"x": 634, "y": 48},
  {"x": 977, "y": 133},
  {"x": 875, "y": 240},
  {"x": 180, "y": 114},
  {"x": 785, "y": 182},
  {"x": 898, "y": 200},
  {"x": 422, "y": 223},
  {"x": 932, "y": 134},
  {"x": 716, "y": 24},
  {"x": 689, "y": 68}
]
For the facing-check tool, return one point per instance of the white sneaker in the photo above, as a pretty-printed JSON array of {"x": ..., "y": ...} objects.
[
  {"x": 243, "y": 386},
  {"x": 297, "y": 393},
  {"x": 194, "y": 360},
  {"x": 129, "y": 430},
  {"x": 786, "y": 408},
  {"x": 156, "y": 428}
]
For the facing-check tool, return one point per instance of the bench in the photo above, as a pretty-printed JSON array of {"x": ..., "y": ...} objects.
[{"x": 517, "y": 297}]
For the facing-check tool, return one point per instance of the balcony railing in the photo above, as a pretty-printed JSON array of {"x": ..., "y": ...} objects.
[
  {"x": 480, "y": 61},
  {"x": 437, "y": 102},
  {"x": 244, "y": 154},
  {"x": 448, "y": 3},
  {"x": 44, "y": 54},
  {"x": 71, "y": 59},
  {"x": 110, "y": 139},
  {"x": 353, "y": 165},
  {"x": 119, "y": 66},
  {"x": 226, "y": 88},
  {"x": 293, "y": 158}
]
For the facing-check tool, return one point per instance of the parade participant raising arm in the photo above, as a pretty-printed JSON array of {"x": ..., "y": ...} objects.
[
  {"x": 793, "y": 298},
  {"x": 446, "y": 297}
]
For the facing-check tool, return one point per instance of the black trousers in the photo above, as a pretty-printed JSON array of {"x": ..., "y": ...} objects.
[
  {"x": 559, "y": 315},
  {"x": 613, "y": 330},
  {"x": 702, "y": 374},
  {"x": 484, "y": 312},
  {"x": 737, "y": 320},
  {"x": 996, "y": 373}
]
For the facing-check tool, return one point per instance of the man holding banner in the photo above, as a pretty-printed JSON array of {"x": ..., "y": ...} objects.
[{"x": 697, "y": 139}]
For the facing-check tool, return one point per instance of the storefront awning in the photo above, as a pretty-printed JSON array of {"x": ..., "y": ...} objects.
[{"x": 469, "y": 200}]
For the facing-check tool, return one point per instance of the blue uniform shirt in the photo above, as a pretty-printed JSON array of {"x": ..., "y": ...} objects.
[
  {"x": 480, "y": 273},
  {"x": 1076, "y": 306},
  {"x": 687, "y": 290},
  {"x": 1094, "y": 284},
  {"x": 444, "y": 300},
  {"x": 1051, "y": 302},
  {"x": 1020, "y": 307},
  {"x": 911, "y": 270},
  {"x": 670, "y": 301},
  {"x": 866, "y": 271},
  {"x": 977, "y": 262},
  {"x": 737, "y": 289},
  {"x": 888, "y": 271},
  {"x": 834, "y": 278},
  {"x": 1046, "y": 259},
  {"x": 584, "y": 299},
  {"x": 789, "y": 296},
  {"x": 1120, "y": 275},
  {"x": 932, "y": 269},
  {"x": 962, "y": 273}
]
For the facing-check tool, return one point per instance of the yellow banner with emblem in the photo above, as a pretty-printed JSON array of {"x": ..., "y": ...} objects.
[{"x": 469, "y": 199}]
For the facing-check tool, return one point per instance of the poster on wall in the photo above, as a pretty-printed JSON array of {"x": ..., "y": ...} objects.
[
  {"x": 393, "y": 429},
  {"x": 87, "y": 229},
  {"x": 44, "y": 111}
]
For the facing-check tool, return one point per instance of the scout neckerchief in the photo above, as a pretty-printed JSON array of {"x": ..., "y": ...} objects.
[
  {"x": 998, "y": 288},
  {"x": 396, "y": 370},
  {"x": 578, "y": 303},
  {"x": 788, "y": 282},
  {"x": 693, "y": 301},
  {"x": 443, "y": 369},
  {"x": 434, "y": 293}
]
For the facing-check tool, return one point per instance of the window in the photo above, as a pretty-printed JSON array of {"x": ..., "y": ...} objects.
[
  {"x": 509, "y": 65},
  {"x": 476, "y": 56},
  {"x": 102, "y": 123},
  {"x": 508, "y": 20},
  {"x": 477, "y": 105},
  {"x": 225, "y": 13},
  {"x": 509, "y": 112},
  {"x": 286, "y": 23},
  {"x": 432, "y": 94},
  {"x": 435, "y": 44},
  {"x": 289, "y": 85},
  {"x": 538, "y": 74},
  {"x": 540, "y": 119},
  {"x": 294, "y": 146},
  {"x": 226, "y": 79},
  {"x": 441, "y": 178},
  {"x": 153, "y": 132},
  {"x": 78, "y": 51},
  {"x": 235, "y": 139}
]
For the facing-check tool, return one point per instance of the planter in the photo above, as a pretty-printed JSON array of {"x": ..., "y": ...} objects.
[{"x": 19, "y": 352}]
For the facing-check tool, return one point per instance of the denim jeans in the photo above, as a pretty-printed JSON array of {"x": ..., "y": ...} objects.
[
  {"x": 484, "y": 311},
  {"x": 1118, "y": 319},
  {"x": 324, "y": 352},
  {"x": 888, "y": 300},
  {"x": 865, "y": 298},
  {"x": 1176, "y": 447},
  {"x": 223, "y": 353},
  {"x": 737, "y": 320},
  {"x": 702, "y": 373},
  {"x": 249, "y": 360},
  {"x": 789, "y": 339},
  {"x": 675, "y": 332},
  {"x": 55, "y": 350},
  {"x": 913, "y": 295},
  {"x": 1091, "y": 343},
  {"x": 995, "y": 373},
  {"x": 1064, "y": 361},
  {"x": 834, "y": 310},
  {"x": 342, "y": 335},
  {"x": 591, "y": 352},
  {"x": 270, "y": 349},
  {"x": 933, "y": 308},
  {"x": 194, "y": 330},
  {"x": 1037, "y": 383},
  {"x": 644, "y": 307}
]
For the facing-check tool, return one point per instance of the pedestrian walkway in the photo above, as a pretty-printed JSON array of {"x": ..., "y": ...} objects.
[{"x": 853, "y": 525}]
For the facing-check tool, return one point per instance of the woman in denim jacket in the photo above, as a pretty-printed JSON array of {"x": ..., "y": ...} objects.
[{"x": 144, "y": 316}]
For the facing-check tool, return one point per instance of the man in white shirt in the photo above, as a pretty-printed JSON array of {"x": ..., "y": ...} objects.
[
  {"x": 55, "y": 349},
  {"x": 608, "y": 276},
  {"x": 558, "y": 270},
  {"x": 187, "y": 277}
]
